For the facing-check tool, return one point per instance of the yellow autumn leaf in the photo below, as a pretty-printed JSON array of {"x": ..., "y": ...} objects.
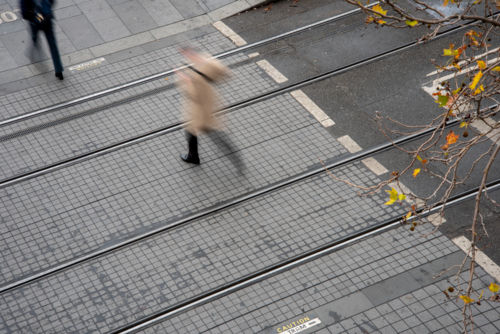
[
  {"x": 482, "y": 291},
  {"x": 456, "y": 91},
  {"x": 457, "y": 67},
  {"x": 408, "y": 215},
  {"x": 419, "y": 158},
  {"x": 402, "y": 197},
  {"x": 379, "y": 9},
  {"x": 479, "y": 90},
  {"x": 393, "y": 196},
  {"x": 494, "y": 287},
  {"x": 445, "y": 3},
  {"x": 463, "y": 124},
  {"x": 381, "y": 22},
  {"x": 496, "y": 69},
  {"x": 416, "y": 171},
  {"x": 477, "y": 77},
  {"x": 411, "y": 23},
  {"x": 481, "y": 64},
  {"x": 466, "y": 299}
]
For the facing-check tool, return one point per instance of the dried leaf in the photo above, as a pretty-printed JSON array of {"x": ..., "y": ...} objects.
[
  {"x": 424, "y": 161},
  {"x": 416, "y": 171},
  {"x": 477, "y": 77},
  {"x": 379, "y": 9},
  {"x": 466, "y": 299},
  {"x": 451, "y": 138}
]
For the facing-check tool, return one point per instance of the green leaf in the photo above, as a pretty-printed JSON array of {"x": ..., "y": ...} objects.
[{"x": 442, "y": 100}]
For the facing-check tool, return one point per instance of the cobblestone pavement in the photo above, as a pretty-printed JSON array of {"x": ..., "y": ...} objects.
[
  {"x": 94, "y": 203},
  {"x": 107, "y": 76},
  {"x": 381, "y": 285},
  {"x": 89, "y": 29},
  {"x": 89, "y": 130},
  {"x": 115, "y": 289}
]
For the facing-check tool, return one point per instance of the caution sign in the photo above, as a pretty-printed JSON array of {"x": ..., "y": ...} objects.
[
  {"x": 87, "y": 65},
  {"x": 296, "y": 325}
]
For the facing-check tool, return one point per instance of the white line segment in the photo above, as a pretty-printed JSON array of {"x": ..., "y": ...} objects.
[
  {"x": 482, "y": 259},
  {"x": 229, "y": 33},
  {"x": 371, "y": 163},
  {"x": 253, "y": 55},
  {"x": 312, "y": 108},
  {"x": 273, "y": 73}
]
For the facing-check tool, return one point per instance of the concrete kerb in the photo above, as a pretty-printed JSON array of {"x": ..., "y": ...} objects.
[{"x": 77, "y": 57}]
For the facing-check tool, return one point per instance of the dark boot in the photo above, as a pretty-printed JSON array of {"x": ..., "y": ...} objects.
[{"x": 192, "y": 156}]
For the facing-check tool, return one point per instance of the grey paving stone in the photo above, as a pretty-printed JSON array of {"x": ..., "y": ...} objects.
[
  {"x": 97, "y": 10},
  {"x": 19, "y": 44},
  {"x": 10, "y": 27},
  {"x": 392, "y": 288},
  {"x": 111, "y": 29},
  {"x": 75, "y": 26},
  {"x": 188, "y": 8},
  {"x": 7, "y": 62},
  {"x": 216, "y": 4},
  {"x": 162, "y": 11},
  {"x": 134, "y": 16},
  {"x": 67, "y": 12}
]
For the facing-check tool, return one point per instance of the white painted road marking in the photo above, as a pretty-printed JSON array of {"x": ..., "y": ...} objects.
[
  {"x": 273, "y": 73},
  {"x": 482, "y": 259},
  {"x": 371, "y": 163},
  {"x": 484, "y": 126},
  {"x": 312, "y": 108},
  {"x": 229, "y": 33}
]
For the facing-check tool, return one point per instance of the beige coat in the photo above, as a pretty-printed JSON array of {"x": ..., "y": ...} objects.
[{"x": 201, "y": 96}]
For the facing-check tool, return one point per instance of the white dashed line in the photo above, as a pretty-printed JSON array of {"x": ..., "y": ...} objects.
[
  {"x": 371, "y": 163},
  {"x": 435, "y": 219},
  {"x": 229, "y": 33},
  {"x": 484, "y": 126},
  {"x": 312, "y": 108},
  {"x": 253, "y": 55},
  {"x": 482, "y": 259},
  {"x": 273, "y": 73}
]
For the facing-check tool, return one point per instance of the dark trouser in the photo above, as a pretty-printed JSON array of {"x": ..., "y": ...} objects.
[
  {"x": 192, "y": 145},
  {"x": 222, "y": 141},
  {"x": 46, "y": 26}
]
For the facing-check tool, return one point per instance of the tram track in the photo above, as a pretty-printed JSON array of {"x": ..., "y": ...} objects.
[
  {"x": 264, "y": 273},
  {"x": 241, "y": 199},
  {"x": 291, "y": 263},
  {"x": 171, "y": 71},
  {"x": 176, "y": 126}
]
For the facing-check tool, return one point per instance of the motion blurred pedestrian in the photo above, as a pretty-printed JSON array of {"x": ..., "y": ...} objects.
[
  {"x": 39, "y": 14},
  {"x": 199, "y": 112}
]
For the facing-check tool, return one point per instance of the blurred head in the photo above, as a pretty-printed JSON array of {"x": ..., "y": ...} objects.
[{"x": 192, "y": 55}]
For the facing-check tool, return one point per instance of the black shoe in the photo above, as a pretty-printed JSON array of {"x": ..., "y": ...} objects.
[
  {"x": 186, "y": 158},
  {"x": 60, "y": 76}
]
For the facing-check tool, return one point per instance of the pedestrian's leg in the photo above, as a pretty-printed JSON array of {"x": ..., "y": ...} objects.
[
  {"x": 34, "y": 32},
  {"x": 192, "y": 155},
  {"x": 54, "y": 51}
]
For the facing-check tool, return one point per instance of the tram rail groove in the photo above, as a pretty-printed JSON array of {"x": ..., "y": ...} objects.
[
  {"x": 159, "y": 75},
  {"x": 349, "y": 158},
  {"x": 291, "y": 263},
  {"x": 170, "y": 128}
]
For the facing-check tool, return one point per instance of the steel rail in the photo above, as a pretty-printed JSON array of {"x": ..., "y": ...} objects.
[
  {"x": 159, "y": 75},
  {"x": 203, "y": 213},
  {"x": 177, "y": 126},
  {"x": 289, "y": 264},
  {"x": 348, "y": 159}
]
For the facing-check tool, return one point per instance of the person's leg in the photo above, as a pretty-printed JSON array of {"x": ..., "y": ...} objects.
[
  {"x": 54, "y": 51},
  {"x": 192, "y": 155},
  {"x": 34, "y": 32}
]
